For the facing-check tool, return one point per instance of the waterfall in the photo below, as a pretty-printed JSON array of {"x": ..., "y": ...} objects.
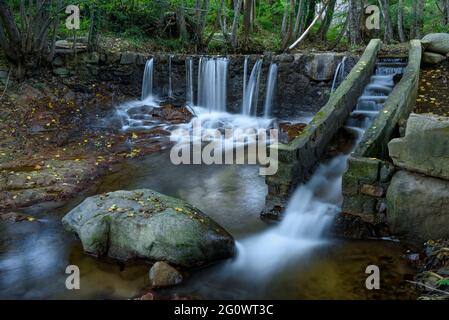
[
  {"x": 147, "y": 82},
  {"x": 250, "y": 99},
  {"x": 339, "y": 73},
  {"x": 313, "y": 206},
  {"x": 271, "y": 86},
  {"x": 170, "y": 88},
  {"x": 309, "y": 213},
  {"x": 245, "y": 76},
  {"x": 189, "y": 82},
  {"x": 212, "y": 83}
]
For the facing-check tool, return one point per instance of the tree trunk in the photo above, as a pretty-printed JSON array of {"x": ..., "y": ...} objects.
[
  {"x": 325, "y": 25},
  {"x": 181, "y": 21},
  {"x": 311, "y": 11},
  {"x": 354, "y": 23},
  {"x": 401, "y": 20},
  {"x": 235, "y": 22},
  {"x": 417, "y": 21},
  {"x": 447, "y": 11},
  {"x": 299, "y": 19},
  {"x": 247, "y": 19},
  {"x": 287, "y": 35},
  {"x": 388, "y": 27},
  {"x": 25, "y": 42},
  {"x": 284, "y": 18}
]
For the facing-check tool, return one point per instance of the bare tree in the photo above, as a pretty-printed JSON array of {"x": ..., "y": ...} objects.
[{"x": 25, "y": 42}]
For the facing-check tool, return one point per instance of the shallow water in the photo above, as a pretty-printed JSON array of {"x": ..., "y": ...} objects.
[{"x": 33, "y": 256}]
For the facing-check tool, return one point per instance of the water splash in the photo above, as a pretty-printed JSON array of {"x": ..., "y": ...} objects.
[{"x": 271, "y": 86}]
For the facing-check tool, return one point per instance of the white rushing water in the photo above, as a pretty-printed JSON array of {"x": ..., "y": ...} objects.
[
  {"x": 271, "y": 88},
  {"x": 245, "y": 76},
  {"x": 250, "y": 99},
  {"x": 147, "y": 82},
  {"x": 189, "y": 81},
  {"x": 339, "y": 74},
  {"x": 310, "y": 211},
  {"x": 212, "y": 83},
  {"x": 170, "y": 85},
  {"x": 313, "y": 206}
]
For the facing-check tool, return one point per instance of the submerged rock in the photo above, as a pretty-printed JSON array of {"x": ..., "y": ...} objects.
[
  {"x": 436, "y": 42},
  {"x": 164, "y": 275},
  {"x": 425, "y": 147},
  {"x": 172, "y": 114},
  {"x": 417, "y": 206},
  {"x": 145, "y": 224}
]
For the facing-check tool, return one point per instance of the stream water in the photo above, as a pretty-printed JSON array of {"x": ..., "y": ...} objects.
[
  {"x": 290, "y": 260},
  {"x": 33, "y": 256}
]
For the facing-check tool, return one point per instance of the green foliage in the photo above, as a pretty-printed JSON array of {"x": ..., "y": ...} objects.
[{"x": 443, "y": 282}]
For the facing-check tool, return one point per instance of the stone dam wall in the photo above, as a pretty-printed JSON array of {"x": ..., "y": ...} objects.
[
  {"x": 303, "y": 84},
  {"x": 370, "y": 168},
  {"x": 299, "y": 159}
]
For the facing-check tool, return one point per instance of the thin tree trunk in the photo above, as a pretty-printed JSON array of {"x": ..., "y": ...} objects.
[
  {"x": 447, "y": 11},
  {"x": 418, "y": 10},
  {"x": 284, "y": 18},
  {"x": 307, "y": 30},
  {"x": 247, "y": 19},
  {"x": 235, "y": 23},
  {"x": 325, "y": 25},
  {"x": 181, "y": 21},
  {"x": 388, "y": 27},
  {"x": 299, "y": 17},
  {"x": 355, "y": 14},
  {"x": 401, "y": 20},
  {"x": 287, "y": 35}
]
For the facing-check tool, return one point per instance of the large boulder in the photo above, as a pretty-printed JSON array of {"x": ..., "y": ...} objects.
[
  {"x": 417, "y": 206},
  {"x": 433, "y": 58},
  {"x": 425, "y": 147},
  {"x": 436, "y": 42},
  {"x": 145, "y": 224}
]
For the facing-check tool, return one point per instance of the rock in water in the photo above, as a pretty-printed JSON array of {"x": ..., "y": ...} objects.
[
  {"x": 145, "y": 224},
  {"x": 164, "y": 275},
  {"x": 436, "y": 42},
  {"x": 417, "y": 206},
  {"x": 433, "y": 58},
  {"x": 425, "y": 147}
]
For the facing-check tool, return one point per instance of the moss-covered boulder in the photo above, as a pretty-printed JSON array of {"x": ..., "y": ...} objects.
[
  {"x": 417, "y": 206},
  {"x": 425, "y": 147},
  {"x": 436, "y": 42},
  {"x": 145, "y": 224}
]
